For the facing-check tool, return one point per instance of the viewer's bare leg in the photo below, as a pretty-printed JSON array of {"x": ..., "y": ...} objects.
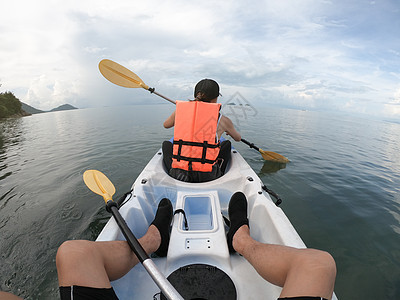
[
  {"x": 301, "y": 272},
  {"x": 95, "y": 264},
  {"x": 8, "y": 296}
]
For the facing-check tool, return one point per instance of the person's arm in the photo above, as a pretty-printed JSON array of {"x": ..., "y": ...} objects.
[
  {"x": 170, "y": 121},
  {"x": 229, "y": 129}
]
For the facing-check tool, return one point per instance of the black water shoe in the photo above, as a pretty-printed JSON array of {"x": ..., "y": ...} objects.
[
  {"x": 237, "y": 215},
  {"x": 162, "y": 221}
]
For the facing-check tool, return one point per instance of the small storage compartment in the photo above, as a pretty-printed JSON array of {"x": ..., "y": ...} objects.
[{"x": 198, "y": 210}]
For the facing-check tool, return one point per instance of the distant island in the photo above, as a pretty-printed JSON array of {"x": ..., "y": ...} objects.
[
  {"x": 63, "y": 107},
  {"x": 11, "y": 106},
  {"x": 29, "y": 109}
]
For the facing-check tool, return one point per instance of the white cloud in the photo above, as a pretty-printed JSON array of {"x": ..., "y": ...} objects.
[
  {"x": 314, "y": 54},
  {"x": 392, "y": 109},
  {"x": 45, "y": 92},
  {"x": 94, "y": 50}
]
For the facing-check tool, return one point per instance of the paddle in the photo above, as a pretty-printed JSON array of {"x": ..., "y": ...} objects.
[
  {"x": 268, "y": 155},
  {"x": 124, "y": 77},
  {"x": 101, "y": 185}
]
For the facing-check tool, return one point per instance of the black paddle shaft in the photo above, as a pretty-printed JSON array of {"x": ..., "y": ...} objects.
[
  {"x": 250, "y": 144},
  {"x": 126, "y": 231}
]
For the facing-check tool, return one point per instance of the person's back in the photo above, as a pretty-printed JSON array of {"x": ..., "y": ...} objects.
[
  {"x": 195, "y": 145},
  {"x": 196, "y": 154}
]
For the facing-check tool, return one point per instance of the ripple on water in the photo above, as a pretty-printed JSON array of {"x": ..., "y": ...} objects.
[
  {"x": 70, "y": 212},
  {"x": 340, "y": 189}
]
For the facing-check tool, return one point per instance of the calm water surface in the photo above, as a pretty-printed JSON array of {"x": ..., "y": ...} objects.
[{"x": 340, "y": 190}]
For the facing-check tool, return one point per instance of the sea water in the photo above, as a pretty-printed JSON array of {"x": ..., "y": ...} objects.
[{"x": 340, "y": 190}]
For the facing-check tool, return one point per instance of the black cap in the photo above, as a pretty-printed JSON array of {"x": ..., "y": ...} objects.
[{"x": 208, "y": 87}]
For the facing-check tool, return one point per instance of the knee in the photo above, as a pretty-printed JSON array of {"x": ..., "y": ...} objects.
[
  {"x": 320, "y": 262},
  {"x": 226, "y": 146},
  {"x": 226, "y": 143},
  {"x": 166, "y": 145},
  {"x": 73, "y": 251},
  {"x": 327, "y": 261},
  {"x": 8, "y": 296},
  {"x": 167, "y": 149}
]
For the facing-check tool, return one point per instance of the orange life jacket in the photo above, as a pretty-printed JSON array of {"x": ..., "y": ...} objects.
[{"x": 196, "y": 145}]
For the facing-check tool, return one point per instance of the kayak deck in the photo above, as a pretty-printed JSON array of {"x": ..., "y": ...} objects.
[{"x": 204, "y": 242}]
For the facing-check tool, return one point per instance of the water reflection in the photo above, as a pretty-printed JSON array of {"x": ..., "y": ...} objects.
[
  {"x": 341, "y": 189},
  {"x": 10, "y": 135},
  {"x": 11, "y": 132},
  {"x": 272, "y": 167}
]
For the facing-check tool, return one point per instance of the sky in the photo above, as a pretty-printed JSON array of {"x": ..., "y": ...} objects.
[{"x": 341, "y": 55}]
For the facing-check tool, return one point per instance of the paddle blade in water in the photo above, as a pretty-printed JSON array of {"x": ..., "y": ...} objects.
[
  {"x": 98, "y": 183},
  {"x": 272, "y": 156},
  {"x": 120, "y": 75}
]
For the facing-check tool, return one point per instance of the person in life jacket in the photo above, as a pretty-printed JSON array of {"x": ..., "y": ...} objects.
[{"x": 197, "y": 154}]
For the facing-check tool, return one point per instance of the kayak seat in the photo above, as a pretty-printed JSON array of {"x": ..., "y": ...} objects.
[{"x": 218, "y": 170}]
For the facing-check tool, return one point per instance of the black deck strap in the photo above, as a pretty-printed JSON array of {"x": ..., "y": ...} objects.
[
  {"x": 121, "y": 201},
  {"x": 272, "y": 193},
  {"x": 181, "y": 211}
]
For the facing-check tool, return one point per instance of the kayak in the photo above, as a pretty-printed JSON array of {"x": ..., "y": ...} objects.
[{"x": 198, "y": 263}]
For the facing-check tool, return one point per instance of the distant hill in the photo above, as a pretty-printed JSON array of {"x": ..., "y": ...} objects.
[
  {"x": 31, "y": 110},
  {"x": 64, "y": 107},
  {"x": 10, "y": 106}
]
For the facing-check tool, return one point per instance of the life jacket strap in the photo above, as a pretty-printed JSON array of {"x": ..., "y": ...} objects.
[
  {"x": 203, "y": 155},
  {"x": 196, "y": 144},
  {"x": 205, "y": 145},
  {"x": 192, "y": 159}
]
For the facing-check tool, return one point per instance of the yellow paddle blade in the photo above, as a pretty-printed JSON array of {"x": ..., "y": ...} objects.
[
  {"x": 98, "y": 183},
  {"x": 120, "y": 75},
  {"x": 272, "y": 156}
]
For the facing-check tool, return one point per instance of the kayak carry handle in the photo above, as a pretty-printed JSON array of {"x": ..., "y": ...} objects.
[{"x": 273, "y": 194}]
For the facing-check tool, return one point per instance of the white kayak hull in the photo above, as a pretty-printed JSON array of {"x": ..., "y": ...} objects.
[{"x": 205, "y": 241}]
